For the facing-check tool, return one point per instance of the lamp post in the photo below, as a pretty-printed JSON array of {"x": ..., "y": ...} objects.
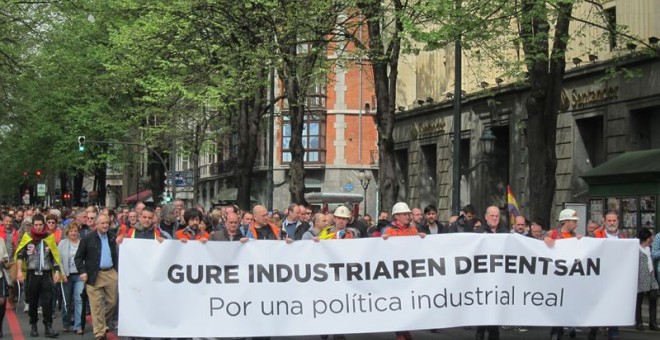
[
  {"x": 365, "y": 177},
  {"x": 487, "y": 140}
]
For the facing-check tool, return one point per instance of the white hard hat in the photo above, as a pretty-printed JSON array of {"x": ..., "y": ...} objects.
[
  {"x": 342, "y": 211},
  {"x": 400, "y": 208},
  {"x": 568, "y": 214}
]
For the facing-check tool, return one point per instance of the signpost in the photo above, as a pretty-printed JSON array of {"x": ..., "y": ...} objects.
[
  {"x": 41, "y": 190},
  {"x": 84, "y": 196}
]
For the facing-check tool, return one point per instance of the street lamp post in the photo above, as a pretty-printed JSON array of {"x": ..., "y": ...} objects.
[
  {"x": 365, "y": 177},
  {"x": 487, "y": 140}
]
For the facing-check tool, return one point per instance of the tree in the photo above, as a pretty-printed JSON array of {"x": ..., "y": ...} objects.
[
  {"x": 386, "y": 41},
  {"x": 303, "y": 32},
  {"x": 60, "y": 90},
  {"x": 545, "y": 57}
]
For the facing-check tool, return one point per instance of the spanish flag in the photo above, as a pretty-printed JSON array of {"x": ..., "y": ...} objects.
[{"x": 514, "y": 211}]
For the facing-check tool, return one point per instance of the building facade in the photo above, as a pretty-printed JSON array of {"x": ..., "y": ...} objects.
[
  {"x": 602, "y": 116},
  {"x": 339, "y": 136}
]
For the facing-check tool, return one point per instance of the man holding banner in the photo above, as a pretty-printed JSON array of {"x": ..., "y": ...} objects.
[
  {"x": 401, "y": 226},
  {"x": 492, "y": 226},
  {"x": 261, "y": 229},
  {"x": 568, "y": 219}
]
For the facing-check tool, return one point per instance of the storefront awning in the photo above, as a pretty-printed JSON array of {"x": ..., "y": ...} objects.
[
  {"x": 630, "y": 167},
  {"x": 144, "y": 196},
  {"x": 228, "y": 196}
]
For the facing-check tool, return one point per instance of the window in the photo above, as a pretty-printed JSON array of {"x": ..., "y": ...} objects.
[
  {"x": 313, "y": 139},
  {"x": 185, "y": 162},
  {"x": 610, "y": 21},
  {"x": 316, "y": 96}
]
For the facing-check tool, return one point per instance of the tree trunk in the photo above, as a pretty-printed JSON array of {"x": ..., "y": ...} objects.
[
  {"x": 101, "y": 176},
  {"x": 194, "y": 161},
  {"x": 249, "y": 115},
  {"x": 77, "y": 187},
  {"x": 385, "y": 70},
  {"x": 297, "y": 118},
  {"x": 546, "y": 82}
]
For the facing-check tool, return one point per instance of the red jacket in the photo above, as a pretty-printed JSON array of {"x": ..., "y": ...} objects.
[
  {"x": 3, "y": 235},
  {"x": 186, "y": 234}
]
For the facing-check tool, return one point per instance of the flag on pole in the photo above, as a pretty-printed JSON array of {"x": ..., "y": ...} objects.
[{"x": 514, "y": 211}]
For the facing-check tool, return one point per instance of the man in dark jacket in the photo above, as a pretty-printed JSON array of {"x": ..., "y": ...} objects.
[
  {"x": 493, "y": 225},
  {"x": 430, "y": 224},
  {"x": 466, "y": 223},
  {"x": 96, "y": 261},
  {"x": 230, "y": 232}
]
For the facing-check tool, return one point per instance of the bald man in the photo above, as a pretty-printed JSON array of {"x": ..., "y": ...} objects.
[
  {"x": 261, "y": 229},
  {"x": 493, "y": 225},
  {"x": 230, "y": 232}
]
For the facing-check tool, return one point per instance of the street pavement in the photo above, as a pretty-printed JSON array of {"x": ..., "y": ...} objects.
[{"x": 16, "y": 326}]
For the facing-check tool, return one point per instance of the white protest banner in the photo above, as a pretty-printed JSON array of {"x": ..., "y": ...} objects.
[{"x": 270, "y": 288}]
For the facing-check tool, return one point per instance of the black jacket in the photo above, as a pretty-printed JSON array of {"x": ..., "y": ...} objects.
[
  {"x": 88, "y": 256},
  {"x": 424, "y": 228}
]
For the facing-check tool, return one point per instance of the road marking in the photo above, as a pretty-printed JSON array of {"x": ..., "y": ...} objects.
[{"x": 14, "y": 325}]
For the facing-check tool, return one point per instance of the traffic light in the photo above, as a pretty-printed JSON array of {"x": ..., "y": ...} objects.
[
  {"x": 38, "y": 173},
  {"x": 167, "y": 196},
  {"x": 81, "y": 143},
  {"x": 25, "y": 173},
  {"x": 66, "y": 196}
]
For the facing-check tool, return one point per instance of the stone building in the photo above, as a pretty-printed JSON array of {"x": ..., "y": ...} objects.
[
  {"x": 602, "y": 116},
  {"x": 601, "y": 119}
]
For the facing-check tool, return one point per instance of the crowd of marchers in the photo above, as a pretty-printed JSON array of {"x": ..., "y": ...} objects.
[{"x": 65, "y": 260}]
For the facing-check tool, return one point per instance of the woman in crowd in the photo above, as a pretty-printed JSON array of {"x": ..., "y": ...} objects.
[
  {"x": 646, "y": 282},
  {"x": 51, "y": 224},
  {"x": 73, "y": 285}
]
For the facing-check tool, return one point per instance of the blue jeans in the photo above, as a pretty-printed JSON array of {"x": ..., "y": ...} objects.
[{"x": 72, "y": 290}]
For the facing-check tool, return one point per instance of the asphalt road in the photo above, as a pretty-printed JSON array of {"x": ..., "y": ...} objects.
[{"x": 16, "y": 326}]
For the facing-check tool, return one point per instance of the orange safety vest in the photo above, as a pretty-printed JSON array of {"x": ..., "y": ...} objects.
[
  {"x": 602, "y": 233},
  {"x": 131, "y": 233},
  {"x": 394, "y": 230},
  {"x": 252, "y": 233}
]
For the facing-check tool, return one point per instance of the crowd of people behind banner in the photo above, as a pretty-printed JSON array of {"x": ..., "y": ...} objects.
[{"x": 66, "y": 259}]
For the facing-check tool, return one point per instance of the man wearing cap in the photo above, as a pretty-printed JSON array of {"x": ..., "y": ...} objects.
[
  {"x": 339, "y": 230},
  {"x": 568, "y": 219},
  {"x": 401, "y": 226}
]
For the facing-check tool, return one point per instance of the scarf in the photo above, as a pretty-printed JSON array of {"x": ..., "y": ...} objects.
[
  {"x": 647, "y": 251},
  {"x": 37, "y": 236}
]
